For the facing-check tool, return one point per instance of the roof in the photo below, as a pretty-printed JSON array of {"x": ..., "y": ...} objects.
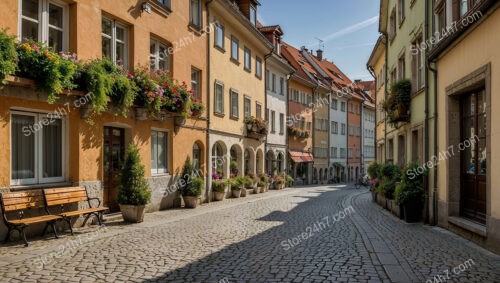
[
  {"x": 265, "y": 29},
  {"x": 340, "y": 79},
  {"x": 295, "y": 58},
  {"x": 378, "y": 50}
]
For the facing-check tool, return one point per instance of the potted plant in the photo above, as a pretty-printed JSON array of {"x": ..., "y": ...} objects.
[
  {"x": 196, "y": 109},
  {"x": 289, "y": 180},
  {"x": 373, "y": 172},
  {"x": 410, "y": 193},
  {"x": 280, "y": 182},
  {"x": 263, "y": 182},
  {"x": 237, "y": 184},
  {"x": 133, "y": 192},
  {"x": 192, "y": 185},
  {"x": 219, "y": 189}
]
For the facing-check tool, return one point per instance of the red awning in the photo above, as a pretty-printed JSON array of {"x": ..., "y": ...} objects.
[{"x": 301, "y": 157}]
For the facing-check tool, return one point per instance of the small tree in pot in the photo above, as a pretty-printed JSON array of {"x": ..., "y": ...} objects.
[
  {"x": 219, "y": 189},
  {"x": 191, "y": 185},
  {"x": 237, "y": 185},
  {"x": 133, "y": 192},
  {"x": 410, "y": 193}
]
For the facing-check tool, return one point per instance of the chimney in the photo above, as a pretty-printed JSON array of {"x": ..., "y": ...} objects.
[
  {"x": 357, "y": 81},
  {"x": 319, "y": 54}
]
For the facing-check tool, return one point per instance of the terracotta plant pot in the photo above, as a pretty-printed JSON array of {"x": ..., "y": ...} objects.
[
  {"x": 191, "y": 202},
  {"x": 256, "y": 190},
  {"x": 219, "y": 196},
  {"x": 132, "y": 213},
  {"x": 261, "y": 190},
  {"x": 243, "y": 192},
  {"x": 236, "y": 193}
]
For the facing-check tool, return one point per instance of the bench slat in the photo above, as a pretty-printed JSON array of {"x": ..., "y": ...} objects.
[
  {"x": 65, "y": 201},
  {"x": 22, "y": 200},
  {"x": 66, "y": 195},
  {"x": 63, "y": 190},
  {"x": 21, "y": 206},
  {"x": 33, "y": 220},
  {"x": 25, "y": 194}
]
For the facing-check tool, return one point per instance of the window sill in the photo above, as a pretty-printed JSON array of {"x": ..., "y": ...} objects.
[
  {"x": 248, "y": 70},
  {"x": 220, "y": 115},
  {"x": 235, "y": 61},
  {"x": 196, "y": 29},
  {"x": 41, "y": 186},
  {"x": 160, "y": 9},
  {"x": 258, "y": 77},
  {"x": 220, "y": 48},
  {"x": 160, "y": 175},
  {"x": 468, "y": 225},
  {"x": 235, "y": 118}
]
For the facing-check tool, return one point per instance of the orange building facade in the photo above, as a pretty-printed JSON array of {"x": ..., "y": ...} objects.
[{"x": 170, "y": 36}]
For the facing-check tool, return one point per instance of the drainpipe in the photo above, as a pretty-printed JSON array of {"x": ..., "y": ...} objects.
[
  {"x": 263, "y": 73},
  {"x": 386, "y": 86},
  {"x": 288, "y": 78},
  {"x": 313, "y": 132},
  {"x": 372, "y": 72},
  {"x": 435, "y": 116},
  {"x": 207, "y": 147}
]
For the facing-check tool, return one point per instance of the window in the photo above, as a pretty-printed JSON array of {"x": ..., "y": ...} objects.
[
  {"x": 258, "y": 110},
  {"x": 342, "y": 153},
  {"x": 334, "y": 154},
  {"x": 253, "y": 15},
  {"x": 274, "y": 83},
  {"x": 166, "y": 3},
  {"x": 160, "y": 57},
  {"x": 342, "y": 106},
  {"x": 401, "y": 11},
  {"x": 309, "y": 126},
  {"x": 273, "y": 121},
  {"x": 248, "y": 59},
  {"x": 342, "y": 129},
  {"x": 219, "y": 35},
  {"x": 37, "y": 156},
  {"x": 219, "y": 98},
  {"x": 268, "y": 79},
  {"x": 282, "y": 86},
  {"x": 158, "y": 152},
  {"x": 195, "y": 13},
  {"x": 196, "y": 156},
  {"x": 258, "y": 67},
  {"x": 401, "y": 67},
  {"x": 401, "y": 150},
  {"x": 417, "y": 67},
  {"x": 335, "y": 128},
  {"x": 248, "y": 107},
  {"x": 114, "y": 42},
  {"x": 334, "y": 104},
  {"x": 391, "y": 150},
  {"x": 235, "y": 49},
  {"x": 196, "y": 83},
  {"x": 392, "y": 31},
  {"x": 394, "y": 76},
  {"x": 282, "y": 123},
  {"x": 416, "y": 145},
  {"x": 234, "y": 104},
  {"x": 464, "y": 7},
  {"x": 267, "y": 114},
  {"x": 349, "y": 153},
  {"x": 45, "y": 21}
]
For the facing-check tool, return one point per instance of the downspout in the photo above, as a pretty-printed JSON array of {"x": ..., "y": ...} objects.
[
  {"x": 313, "y": 133},
  {"x": 386, "y": 86},
  {"x": 426, "y": 123},
  {"x": 207, "y": 148},
  {"x": 263, "y": 72},
  {"x": 372, "y": 72},
  {"x": 435, "y": 169},
  {"x": 288, "y": 78}
]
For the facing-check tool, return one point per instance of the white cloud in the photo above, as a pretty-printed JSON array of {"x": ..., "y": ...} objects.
[
  {"x": 354, "y": 46},
  {"x": 350, "y": 29}
]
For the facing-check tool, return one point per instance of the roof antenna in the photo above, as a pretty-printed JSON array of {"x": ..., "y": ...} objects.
[{"x": 321, "y": 43}]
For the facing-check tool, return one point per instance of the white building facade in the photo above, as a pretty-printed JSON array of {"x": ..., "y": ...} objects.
[
  {"x": 338, "y": 137},
  {"x": 368, "y": 130}
]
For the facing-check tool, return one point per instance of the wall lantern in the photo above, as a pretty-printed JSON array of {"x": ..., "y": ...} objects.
[{"x": 146, "y": 7}]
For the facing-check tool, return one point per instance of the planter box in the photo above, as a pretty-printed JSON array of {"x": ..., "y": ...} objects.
[
  {"x": 256, "y": 136},
  {"x": 381, "y": 200},
  {"x": 141, "y": 114},
  {"x": 219, "y": 196},
  {"x": 132, "y": 213},
  {"x": 397, "y": 210},
  {"x": 191, "y": 202},
  {"x": 236, "y": 193},
  {"x": 243, "y": 192}
]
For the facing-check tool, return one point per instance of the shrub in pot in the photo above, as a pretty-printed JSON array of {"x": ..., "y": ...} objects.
[
  {"x": 191, "y": 185},
  {"x": 133, "y": 192},
  {"x": 289, "y": 180},
  {"x": 237, "y": 184},
  {"x": 410, "y": 193},
  {"x": 219, "y": 189}
]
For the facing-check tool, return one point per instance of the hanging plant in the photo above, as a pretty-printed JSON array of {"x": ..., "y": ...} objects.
[
  {"x": 150, "y": 94},
  {"x": 51, "y": 72},
  {"x": 8, "y": 55},
  {"x": 196, "y": 109}
]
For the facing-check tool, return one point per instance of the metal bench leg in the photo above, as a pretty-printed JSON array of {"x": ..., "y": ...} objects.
[
  {"x": 45, "y": 229},
  {"x": 54, "y": 230},
  {"x": 86, "y": 219},
  {"x": 99, "y": 218},
  {"x": 23, "y": 233},
  {"x": 7, "y": 237},
  {"x": 70, "y": 225}
]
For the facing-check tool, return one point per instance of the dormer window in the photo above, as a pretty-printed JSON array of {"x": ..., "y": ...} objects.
[
  {"x": 277, "y": 45},
  {"x": 253, "y": 15}
]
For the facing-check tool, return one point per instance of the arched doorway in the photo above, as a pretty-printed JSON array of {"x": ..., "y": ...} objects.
[
  {"x": 270, "y": 159},
  {"x": 259, "y": 161},
  {"x": 280, "y": 163},
  {"x": 218, "y": 159},
  {"x": 236, "y": 164}
]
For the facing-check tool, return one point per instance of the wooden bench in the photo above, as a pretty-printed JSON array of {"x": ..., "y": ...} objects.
[
  {"x": 64, "y": 196},
  {"x": 21, "y": 201}
]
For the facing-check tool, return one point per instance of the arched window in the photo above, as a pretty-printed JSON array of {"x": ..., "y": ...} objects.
[
  {"x": 279, "y": 164},
  {"x": 217, "y": 159},
  {"x": 196, "y": 156},
  {"x": 247, "y": 162}
]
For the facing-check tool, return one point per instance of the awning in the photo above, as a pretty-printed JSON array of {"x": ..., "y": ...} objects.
[{"x": 301, "y": 157}]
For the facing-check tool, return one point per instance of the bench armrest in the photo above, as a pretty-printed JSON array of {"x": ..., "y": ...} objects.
[{"x": 98, "y": 200}]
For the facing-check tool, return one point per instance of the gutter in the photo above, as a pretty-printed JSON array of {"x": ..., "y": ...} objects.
[
  {"x": 426, "y": 119},
  {"x": 207, "y": 147},
  {"x": 288, "y": 78},
  {"x": 263, "y": 73},
  {"x": 372, "y": 72}
]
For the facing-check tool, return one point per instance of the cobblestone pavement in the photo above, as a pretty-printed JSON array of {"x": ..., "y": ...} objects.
[{"x": 246, "y": 240}]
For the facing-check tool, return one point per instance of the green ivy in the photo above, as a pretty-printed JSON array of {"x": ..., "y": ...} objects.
[{"x": 8, "y": 55}]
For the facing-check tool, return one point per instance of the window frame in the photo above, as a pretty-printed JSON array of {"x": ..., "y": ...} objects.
[
  {"x": 156, "y": 172},
  {"x": 221, "y": 85},
  {"x": 232, "y": 113},
  {"x": 219, "y": 26},
  {"x": 235, "y": 40},
  {"x": 117, "y": 24},
  {"x": 198, "y": 82},
  {"x": 247, "y": 55},
  {"x": 43, "y": 23},
  {"x": 247, "y": 102},
  {"x": 258, "y": 67},
  {"x": 198, "y": 11},
  {"x": 38, "y": 150},
  {"x": 167, "y": 56}
]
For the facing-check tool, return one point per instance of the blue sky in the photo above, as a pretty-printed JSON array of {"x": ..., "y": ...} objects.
[{"x": 349, "y": 28}]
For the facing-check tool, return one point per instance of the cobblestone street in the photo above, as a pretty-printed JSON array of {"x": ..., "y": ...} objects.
[{"x": 247, "y": 240}]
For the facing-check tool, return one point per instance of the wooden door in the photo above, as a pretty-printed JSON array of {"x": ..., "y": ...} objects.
[
  {"x": 114, "y": 156},
  {"x": 474, "y": 158}
]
